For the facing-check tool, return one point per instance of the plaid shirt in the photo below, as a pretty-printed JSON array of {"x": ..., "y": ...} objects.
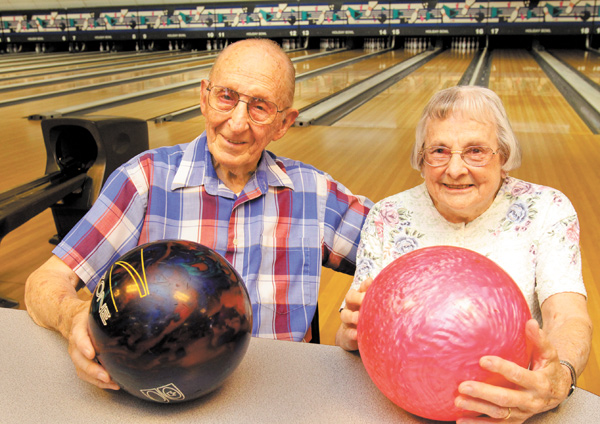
[{"x": 288, "y": 221}]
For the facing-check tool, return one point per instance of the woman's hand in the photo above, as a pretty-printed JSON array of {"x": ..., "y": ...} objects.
[
  {"x": 539, "y": 389},
  {"x": 347, "y": 336}
]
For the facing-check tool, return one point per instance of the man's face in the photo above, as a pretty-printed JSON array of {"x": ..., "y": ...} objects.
[{"x": 234, "y": 140}]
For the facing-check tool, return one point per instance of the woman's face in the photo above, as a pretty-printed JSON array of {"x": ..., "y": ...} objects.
[{"x": 461, "y": 192}]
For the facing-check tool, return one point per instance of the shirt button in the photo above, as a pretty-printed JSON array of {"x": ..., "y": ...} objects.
[{"x": 235, "y": 242}]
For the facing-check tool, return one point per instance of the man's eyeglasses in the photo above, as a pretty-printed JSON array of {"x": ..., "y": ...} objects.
[
  {"x": 473, "y": 155},
  {"x": 224, "y": 99}
]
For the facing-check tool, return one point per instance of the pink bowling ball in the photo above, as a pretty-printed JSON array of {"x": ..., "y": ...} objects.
[{"x": 429, "y": 317}]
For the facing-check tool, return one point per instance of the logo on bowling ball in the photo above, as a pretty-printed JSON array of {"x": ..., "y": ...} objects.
[
  {"x": 167, "y": 393},
  {"x": 170, "y": 321},
  {"x": 139, "y": 281}
]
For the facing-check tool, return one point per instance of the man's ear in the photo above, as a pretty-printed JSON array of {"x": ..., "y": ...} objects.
[
  {"x": 204, "y": 96},
  {"x": 288, "y": 120}
]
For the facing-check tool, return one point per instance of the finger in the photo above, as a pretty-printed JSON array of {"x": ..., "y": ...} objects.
[
  {"x": 492, "y": 396},
  {"x": 90, "y": 371},
  {"x": 492, "y": 412},
  {"x": 365, "y": 285},
  {"x": 349, "y": 318},
  {"x": 509, "y": 370},
  {"x": 354, "y": 299},
  {"x": 81, "y": 338},
  {"x": 83, "y": 354}
]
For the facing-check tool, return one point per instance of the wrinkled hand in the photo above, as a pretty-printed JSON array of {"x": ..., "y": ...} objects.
[
  {"x": 82, "y": 354},
  {"x": 539, "y": 389},
  {"x": 347, "y": 336}
]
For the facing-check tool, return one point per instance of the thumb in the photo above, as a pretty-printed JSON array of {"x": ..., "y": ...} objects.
[{"x": 541, "y": 349}]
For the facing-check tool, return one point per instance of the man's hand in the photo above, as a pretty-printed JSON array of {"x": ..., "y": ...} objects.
[{"x": 82, "y": 353}]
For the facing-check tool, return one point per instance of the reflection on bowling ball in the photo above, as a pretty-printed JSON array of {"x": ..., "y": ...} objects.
[
  {"x": 170, "y": 320},
  {"x": 428, "y": 318}
]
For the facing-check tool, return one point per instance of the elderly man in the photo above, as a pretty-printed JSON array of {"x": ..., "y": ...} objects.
[{"x": 276, "y": 220}]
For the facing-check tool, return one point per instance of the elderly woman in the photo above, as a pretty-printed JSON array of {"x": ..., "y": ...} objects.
[{"x": 464, "y": 149}]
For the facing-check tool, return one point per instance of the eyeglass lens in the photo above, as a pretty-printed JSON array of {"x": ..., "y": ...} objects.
[
  {"x": 474, "y": 155},
  {"x": 223, "y": 99}
]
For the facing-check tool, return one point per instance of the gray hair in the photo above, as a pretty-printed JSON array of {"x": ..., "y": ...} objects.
[{"x": 477, "y": 103}]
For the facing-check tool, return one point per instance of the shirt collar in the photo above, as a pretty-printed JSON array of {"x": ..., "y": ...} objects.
[{"x": 196, "y": 169}]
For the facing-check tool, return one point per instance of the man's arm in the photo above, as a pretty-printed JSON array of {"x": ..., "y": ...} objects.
[
  {"x": 51, "y": 297},
  {"x": 52, "y": 302}
]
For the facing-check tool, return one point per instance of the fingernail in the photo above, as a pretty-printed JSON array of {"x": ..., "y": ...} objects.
[
  {"x": 466, "y": 389},
  {"x": 102, "y": 376}
]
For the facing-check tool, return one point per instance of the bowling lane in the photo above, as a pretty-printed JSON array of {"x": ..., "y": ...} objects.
[
  {"x": 115, "y": 78},
  {"x": 400, "y": 105},
  {"x": 101, "y": 62},
  {"x": 532, "y": 102},
  {"x": 307, "y": 91},
  {"x": 317, "y": 88},
  {"x": 586, "y": 62}
]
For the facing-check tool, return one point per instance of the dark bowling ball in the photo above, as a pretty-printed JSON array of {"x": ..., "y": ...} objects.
[{"x": 170, "y": 321}]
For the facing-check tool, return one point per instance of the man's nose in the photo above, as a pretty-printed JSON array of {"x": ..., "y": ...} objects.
[{"x": 239, "y": 116}]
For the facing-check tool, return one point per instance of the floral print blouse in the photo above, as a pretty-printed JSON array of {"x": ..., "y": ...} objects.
[{"x": 531, "y": 231}]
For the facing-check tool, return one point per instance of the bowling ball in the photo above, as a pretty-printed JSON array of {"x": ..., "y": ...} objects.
[
  {"x": 170, "y": 321},
  {"x": 428, "y": 318}
]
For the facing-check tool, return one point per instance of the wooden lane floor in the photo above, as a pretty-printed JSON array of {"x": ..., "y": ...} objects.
[
  {"x": 73, "y": 64},
  {"x": 123, "y": 88},
  {"x": 516, "y": 74},
  {"x": 561, "y": 152},
  {"x": 101, "y": 62},
  {"x": 400, "y": 105},
  {"x": 307, "y": 91},
  {"x": 585, "y": 62}
]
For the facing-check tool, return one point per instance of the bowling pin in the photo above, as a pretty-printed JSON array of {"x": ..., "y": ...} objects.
[
  {"x": 370, "y": 8},
  {"x": 351, "y": 19},
  {"x": 514, "y": 15},
  {"x": 321, "y": 18},
  {"x": 414, "y": 16},
  {"x": 467, "y": 6},
  {"x": 571, "y": 5},
  {"x": 280, "y": 10}
]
